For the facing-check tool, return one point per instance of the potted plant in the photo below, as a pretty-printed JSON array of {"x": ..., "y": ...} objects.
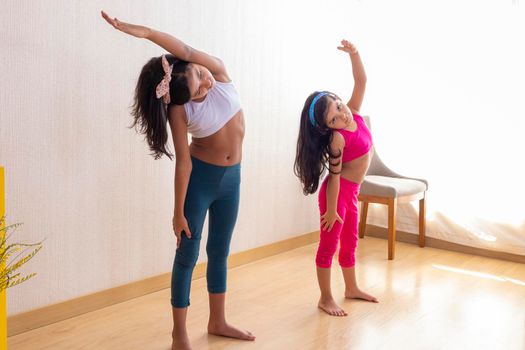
[{"x": 13, "y": 256}]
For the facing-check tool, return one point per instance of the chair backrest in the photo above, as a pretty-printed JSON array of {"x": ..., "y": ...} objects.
[
  {"x": 377, "y": 167},
  {"x": 372, "y": 167},
  {"x": 367, "y": 121}
]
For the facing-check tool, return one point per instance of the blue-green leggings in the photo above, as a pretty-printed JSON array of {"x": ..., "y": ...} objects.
[{"x": 213, "y": 189}]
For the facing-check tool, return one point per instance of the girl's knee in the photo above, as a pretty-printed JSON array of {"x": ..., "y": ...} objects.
[
  {"x": 324, "y": 258},
  {"x": 187, "y": 255},
  {"x": 218, "y": 252},
  {"x": 347, "y": 260}
]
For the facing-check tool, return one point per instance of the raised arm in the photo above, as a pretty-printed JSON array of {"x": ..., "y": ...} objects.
[
  {"x": 173, "y": 45},
  {"x": 359, "y": 74}
]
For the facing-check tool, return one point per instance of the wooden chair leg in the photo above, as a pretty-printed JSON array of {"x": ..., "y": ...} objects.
[
  {"x": 362, "y": 219},
  {"x": 392, "y": 204},
  {"x": 422, "y": 222}
]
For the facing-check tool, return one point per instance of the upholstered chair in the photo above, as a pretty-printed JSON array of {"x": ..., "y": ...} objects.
[{"x": 384, "y": 186}]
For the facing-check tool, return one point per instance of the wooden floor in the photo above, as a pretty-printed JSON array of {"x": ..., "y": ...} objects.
[{"x": 429, "y": 299}]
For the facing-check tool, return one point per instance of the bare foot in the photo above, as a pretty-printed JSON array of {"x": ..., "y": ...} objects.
[
  {"x": 331, "y": 308},
  {"x": 180, "y": 343},
  {"x": 358, "y": 294},
  {"x": 225, "y": 330}
]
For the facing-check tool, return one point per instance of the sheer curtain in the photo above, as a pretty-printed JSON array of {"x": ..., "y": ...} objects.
[{"x": 447, "y": 99}]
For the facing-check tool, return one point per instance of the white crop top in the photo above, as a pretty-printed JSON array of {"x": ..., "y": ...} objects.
[{"x": 209, "y": 116}]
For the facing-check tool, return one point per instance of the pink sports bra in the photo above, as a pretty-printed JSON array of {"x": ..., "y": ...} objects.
[{"x": 357, "y": 142}]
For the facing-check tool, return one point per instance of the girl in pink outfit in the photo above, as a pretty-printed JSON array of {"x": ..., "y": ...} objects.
[{"x": 334, "y": 136}]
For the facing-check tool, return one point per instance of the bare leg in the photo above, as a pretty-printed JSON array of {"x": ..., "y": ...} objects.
[
  {"x": 352, "y": 290},
  {"x": 179, "y": 334},
  {"x": 217, "y": 324},
  {"x": 326, "y": 301}
]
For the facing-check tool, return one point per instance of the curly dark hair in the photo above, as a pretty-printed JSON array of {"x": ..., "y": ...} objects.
[
  {"x": 313, "y": 151},
  {"x": 149, "y": 112}
]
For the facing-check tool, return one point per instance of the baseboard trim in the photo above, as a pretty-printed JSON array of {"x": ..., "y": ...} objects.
[
  {"x": 44, "y": 316},
  {"x": 405, "y": 237}
]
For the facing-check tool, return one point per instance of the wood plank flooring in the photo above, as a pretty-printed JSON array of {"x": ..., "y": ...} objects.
[{"x": 429, "y": 299}]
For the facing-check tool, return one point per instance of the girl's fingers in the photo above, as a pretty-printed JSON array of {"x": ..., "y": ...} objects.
[
  {"x": 187, "y": 232},
  {"x": 347, "y": 46},
  {"x": 107, "y": 18},
  {"x": 113, "y": 21}
]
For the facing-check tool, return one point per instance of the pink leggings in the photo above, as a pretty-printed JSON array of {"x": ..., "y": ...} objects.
[{"x": 346, "y": 232}]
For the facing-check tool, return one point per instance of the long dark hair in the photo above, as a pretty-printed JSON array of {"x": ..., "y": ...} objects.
[
  {"x": 150, "y": 114},
  {"x": 313, "y": 144}
]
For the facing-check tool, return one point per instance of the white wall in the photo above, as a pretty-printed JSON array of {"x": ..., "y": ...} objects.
[{"x": 76, "y": 176}]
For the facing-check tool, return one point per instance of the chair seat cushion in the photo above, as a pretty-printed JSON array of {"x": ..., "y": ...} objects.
[{"x": 391, "y": 187}]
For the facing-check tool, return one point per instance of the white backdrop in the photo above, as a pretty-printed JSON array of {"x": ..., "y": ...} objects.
[
  {"x": 449, "y": 79},
  {"x": 444, "y": 92}
]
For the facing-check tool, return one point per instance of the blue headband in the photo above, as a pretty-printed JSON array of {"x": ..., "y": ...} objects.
[{"x": 312, "y": 105}]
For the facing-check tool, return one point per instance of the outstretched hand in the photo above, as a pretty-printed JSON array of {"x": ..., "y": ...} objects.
[
  {"x": 128, "y": 28},
  {"x": 328, "y": 220},
  {"x": 347, "y": 47}
]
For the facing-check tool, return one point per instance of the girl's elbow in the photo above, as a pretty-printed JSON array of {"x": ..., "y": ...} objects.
[
  {"x": 333, "y": 178},
  {"x": 360, "y": 80},
  {"x": 183, "y": 166}
]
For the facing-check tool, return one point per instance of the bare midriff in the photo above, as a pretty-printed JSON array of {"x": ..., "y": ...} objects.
[
  {"x": 224, "y": 148},
  {"x": 355, "y": 170}
]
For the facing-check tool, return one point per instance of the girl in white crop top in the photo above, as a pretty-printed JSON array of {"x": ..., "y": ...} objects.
[
  {"x": 193, "y": 92},
  {"x": 207, "y": 117}
]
